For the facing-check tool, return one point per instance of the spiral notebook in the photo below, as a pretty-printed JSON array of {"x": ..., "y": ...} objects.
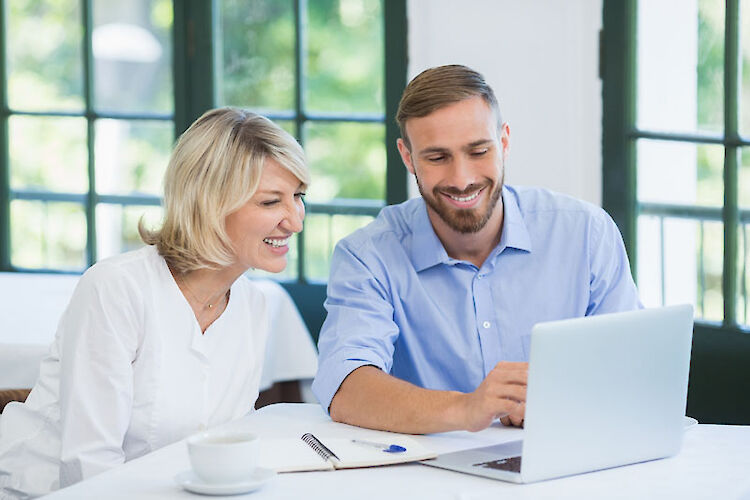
[{"x": 309, "y": 453}]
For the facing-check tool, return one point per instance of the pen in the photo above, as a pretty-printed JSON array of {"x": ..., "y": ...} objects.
[{"x": 388, "y": 448}]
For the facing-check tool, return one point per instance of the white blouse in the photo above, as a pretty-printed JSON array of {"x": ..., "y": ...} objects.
[{"x": 129, "y": 372}]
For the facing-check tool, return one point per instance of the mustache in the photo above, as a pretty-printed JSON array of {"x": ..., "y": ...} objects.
[{"x": 453, "y": 191}]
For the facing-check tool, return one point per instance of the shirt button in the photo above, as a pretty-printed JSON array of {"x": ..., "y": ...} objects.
[
  {"x": 480, "y": 276},
  {"x": 486, "y": 324}
]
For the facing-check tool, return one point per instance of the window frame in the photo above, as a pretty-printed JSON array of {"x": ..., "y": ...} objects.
[
  {"x": 194, "y": 24},
  {"x": 720, "y": 350},
  {"x": 89, "y": 200}
]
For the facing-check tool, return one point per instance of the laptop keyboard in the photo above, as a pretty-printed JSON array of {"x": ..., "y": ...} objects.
[{"x": 512, "y": 464}]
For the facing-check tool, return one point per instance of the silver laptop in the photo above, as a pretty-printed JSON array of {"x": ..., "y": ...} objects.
[{"x": 603, "y": 391}]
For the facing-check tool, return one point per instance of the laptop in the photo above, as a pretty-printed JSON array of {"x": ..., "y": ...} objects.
[{"x": 603, "y": 391}]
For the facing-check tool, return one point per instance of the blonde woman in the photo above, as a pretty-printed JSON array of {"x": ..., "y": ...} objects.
[{"x": 169, "y": 339}]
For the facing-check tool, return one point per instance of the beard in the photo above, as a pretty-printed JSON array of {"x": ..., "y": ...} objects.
[{"x": 463, "y": 220}]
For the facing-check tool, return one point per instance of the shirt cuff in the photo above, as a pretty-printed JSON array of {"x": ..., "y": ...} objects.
[{"x": 332, "y": 373}]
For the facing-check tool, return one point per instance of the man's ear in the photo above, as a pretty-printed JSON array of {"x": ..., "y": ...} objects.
[
  {"x": 505, "y": 139},
  {"x": 403, "y": 150}
]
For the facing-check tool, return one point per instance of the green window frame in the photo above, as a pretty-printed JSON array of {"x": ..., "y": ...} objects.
[
  {"x": 91, "y": 198},
  {"x": 720, "y": 350},
  {"x": 194, "y": 28}
]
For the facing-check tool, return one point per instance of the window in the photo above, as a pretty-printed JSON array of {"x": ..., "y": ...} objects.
[
  {"x": 86, "y": 122},
  {"x": 316, "y": 68},
  {"x": 676, "y": 161},
  {"x": 685, "y": 197},
  {"x": 90, "y": 110}
]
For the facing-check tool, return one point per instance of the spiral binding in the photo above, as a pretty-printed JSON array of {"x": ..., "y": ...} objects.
[{"x": 317, "y": 446}]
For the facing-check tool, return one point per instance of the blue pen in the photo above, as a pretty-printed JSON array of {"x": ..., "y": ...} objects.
[{"x": 388, "y": 448}]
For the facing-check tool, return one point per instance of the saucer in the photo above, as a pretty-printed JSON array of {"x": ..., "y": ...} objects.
[
  {"x": 191, "y": 482},
  {"x": 689, "y": 422}
]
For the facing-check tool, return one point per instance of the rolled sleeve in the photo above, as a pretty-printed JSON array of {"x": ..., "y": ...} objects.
[
  {"x": 611, "y": 284},
  {"x": 359, "y": 329}
]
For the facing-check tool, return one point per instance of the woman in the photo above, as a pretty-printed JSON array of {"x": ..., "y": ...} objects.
[{"x": 166, "y": 340}]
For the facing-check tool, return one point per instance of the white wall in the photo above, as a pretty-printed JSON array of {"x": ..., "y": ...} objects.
[{"x": 541, "y": 58}]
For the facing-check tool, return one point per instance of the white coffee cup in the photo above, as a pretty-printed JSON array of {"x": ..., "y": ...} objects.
[{"x": 223, "y": 456}]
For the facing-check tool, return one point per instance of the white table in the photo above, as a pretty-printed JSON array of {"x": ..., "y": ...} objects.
[
  {"x": 31, "y": 305},
  {"x": 714, "y": 464}
]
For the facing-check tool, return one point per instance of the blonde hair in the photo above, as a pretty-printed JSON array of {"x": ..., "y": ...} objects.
[
  {"x": 437, "y": 87},
  {"x": 214, "y": 170}
]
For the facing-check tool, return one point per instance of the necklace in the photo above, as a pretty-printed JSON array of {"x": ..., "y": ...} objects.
[{"x": 208, "y": 303}]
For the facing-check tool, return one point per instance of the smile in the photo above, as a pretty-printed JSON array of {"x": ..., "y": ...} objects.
[
  {"x": 466, "y": 198},
  {"x": 277, "y": 242}
]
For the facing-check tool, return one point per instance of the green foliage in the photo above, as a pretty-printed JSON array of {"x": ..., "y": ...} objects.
[
  {"x": 51, "y": 153},
  {"x": 710, "y": 70},
  {"x": 45, "y": 72},
  {"x": 257, "y": 40},
  {"x": 343, "y": 65},
  {"x": 345, "y": 56}
]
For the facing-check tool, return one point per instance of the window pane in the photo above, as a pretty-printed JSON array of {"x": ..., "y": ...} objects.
[
  {"x": 743, "y": 185},
  {"x": 48, "y": 154},
  {"x": 689, "y": 270},
  {"x": 132, "y": 44},
  {"x": 292, "y": 257},
  {"x": 131, "y": 155},
  {"x": 287, "y": 125},
  {"x": 257, "y": 54},
  {"x": 681, "y": 173},
  {"x": 48, "y": 235},
  {"x": 44, "y": 72},
  {"x": 679, "y": 89},
  {"x": 743, "y": 274},
  {"x": 347, "y": 160},
  {"x": 345, "y": 56},
  {"x": 117, "y": 227},
  {"x": 745, "y": 67},
  {"x": 322, "y": 232}
]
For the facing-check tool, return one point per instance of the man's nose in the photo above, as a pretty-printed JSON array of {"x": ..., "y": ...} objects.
[{"x": 462, "y": 174}]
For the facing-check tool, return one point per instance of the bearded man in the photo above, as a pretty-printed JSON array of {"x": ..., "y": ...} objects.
[{"x": 430, "y": 307}]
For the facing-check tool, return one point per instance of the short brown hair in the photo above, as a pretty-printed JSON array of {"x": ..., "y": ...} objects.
[
  {"x": 437, "y": 87},
  {"x": 215, "y": 168}
]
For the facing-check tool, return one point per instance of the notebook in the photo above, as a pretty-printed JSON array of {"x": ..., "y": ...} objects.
[
  {"x": 603, "y": 391},
  {"x": 310, "y": 453}
]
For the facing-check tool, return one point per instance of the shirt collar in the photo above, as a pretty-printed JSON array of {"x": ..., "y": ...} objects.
[
  {"x": 515, "y": 233},
  {"x": 427, "y": 249}
]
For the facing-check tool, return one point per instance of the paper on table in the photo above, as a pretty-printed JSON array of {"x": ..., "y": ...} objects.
[
  {"x": 293, "y": 454},
  {"x": 289, "y": 455}
]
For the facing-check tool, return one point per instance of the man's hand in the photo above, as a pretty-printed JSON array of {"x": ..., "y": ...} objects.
[{"x": 502, "y": 394}]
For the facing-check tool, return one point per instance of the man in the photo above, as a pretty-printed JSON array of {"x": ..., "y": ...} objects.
[{"x": 430, "y": 307}]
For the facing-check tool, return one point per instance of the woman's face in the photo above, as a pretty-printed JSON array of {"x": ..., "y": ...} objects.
[{"x": 260, "y": 230}]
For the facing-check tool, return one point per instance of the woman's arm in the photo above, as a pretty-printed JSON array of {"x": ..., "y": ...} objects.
[{"x": 99, "y": 334}]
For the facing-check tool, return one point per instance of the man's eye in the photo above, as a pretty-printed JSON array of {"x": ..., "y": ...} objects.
[
  {"x": 436, "y": 158},
  {"x": 479, "y": 152}
]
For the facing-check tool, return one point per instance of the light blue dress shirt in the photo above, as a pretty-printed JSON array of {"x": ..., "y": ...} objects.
[{"x": 397, "y": 301}]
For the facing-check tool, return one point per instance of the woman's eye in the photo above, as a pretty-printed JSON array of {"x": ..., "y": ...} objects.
[
  {"x": 269, "y": 203},
  {"x": 301, "y": 196}
]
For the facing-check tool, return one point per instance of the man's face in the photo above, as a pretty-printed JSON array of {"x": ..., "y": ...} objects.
[{"x": 457, "y": 155}]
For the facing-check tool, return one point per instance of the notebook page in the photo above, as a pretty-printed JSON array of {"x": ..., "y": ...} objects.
[
  {"x": 289, "y": 455},
  {"x": 352, "y": 454}
]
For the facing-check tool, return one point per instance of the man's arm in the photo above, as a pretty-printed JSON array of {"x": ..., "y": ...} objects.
[
  {"x": 611, "y": 284},
  {"x": 370, "y": 398}
]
